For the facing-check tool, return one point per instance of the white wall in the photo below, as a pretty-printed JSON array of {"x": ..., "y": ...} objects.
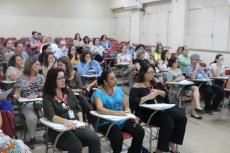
[{"x": 55, "y": 17}]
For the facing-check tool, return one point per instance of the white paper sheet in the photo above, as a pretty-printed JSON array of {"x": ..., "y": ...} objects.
[
  {"x": 4, "y": 94},
  {"x": 161, "y": 106},
  {"x": 59, "y": 127},
  {"x": 112, "y": 118}
]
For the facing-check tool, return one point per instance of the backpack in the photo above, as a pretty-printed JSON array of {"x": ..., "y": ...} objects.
[{"x": 8, "y": 126}]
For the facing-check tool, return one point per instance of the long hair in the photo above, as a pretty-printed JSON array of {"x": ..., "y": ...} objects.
[
  {"x": 216, "y": 58},
  {"x": 50, "y": 83},
  {"x": 164, "y": 52},
  {"x": 158, "y": 46},
  {"x": 65, "y": 60},
  {"x": 82, "y": 58},
  {"x": 28, "y": 65},
  {"x": 45, "y": 62},
  {"x": 12, "y": 61},
  {"x": 69, "y": 50}
]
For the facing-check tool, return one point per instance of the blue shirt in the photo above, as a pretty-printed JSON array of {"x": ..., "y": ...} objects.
[
  {"x": 200, "y": 74},
  {"x": 83, "y": 68},
  {"x": 105, "y": 45},
  {"x": 60, "y": 53},
  {"x": 114, "y": 102}
]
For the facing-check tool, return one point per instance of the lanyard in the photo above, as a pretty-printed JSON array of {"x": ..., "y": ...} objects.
[{"x": 63, "y": 99}]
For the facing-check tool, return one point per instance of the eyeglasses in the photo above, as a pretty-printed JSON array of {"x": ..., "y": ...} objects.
[
  {"x": 61, "y": 78},
  {"x": 151, "y": 72}
]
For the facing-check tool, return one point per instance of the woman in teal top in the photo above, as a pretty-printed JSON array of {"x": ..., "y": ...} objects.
[{"x": 109, "y": 100}]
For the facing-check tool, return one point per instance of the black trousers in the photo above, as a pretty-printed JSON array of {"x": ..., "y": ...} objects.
[
  {"x": 73, "y": 141},
  {"x": 214, "y": 94},
  {"x": 172, "y": 124},
  {"x": 116, "y": 138}
]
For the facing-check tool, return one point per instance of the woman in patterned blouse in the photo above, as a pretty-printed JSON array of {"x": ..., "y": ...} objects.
[{"x": 29, "y": 85}]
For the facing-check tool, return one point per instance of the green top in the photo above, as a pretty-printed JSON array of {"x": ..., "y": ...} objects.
[
  {"x": 184, "y": 61},
  {"x": 52, "y": 107}
]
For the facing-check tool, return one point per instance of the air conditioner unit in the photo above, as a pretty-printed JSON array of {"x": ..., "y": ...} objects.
[{"x": 133, "y": 5}]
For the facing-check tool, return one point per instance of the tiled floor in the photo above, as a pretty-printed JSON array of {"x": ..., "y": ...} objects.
[{"x": 208, "y": 135}]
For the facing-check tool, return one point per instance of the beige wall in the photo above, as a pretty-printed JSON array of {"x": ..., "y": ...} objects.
[{"x": 55, "y": 17}]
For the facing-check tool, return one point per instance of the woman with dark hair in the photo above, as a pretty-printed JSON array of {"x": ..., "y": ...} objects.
[
  {"x": 50, "y": 61},
  {"x": 183, "y": 58},
  {"x": 175, "y": 74},
  {"x": 105, "y": 43},
  {"x": 162, "y": 64},
  {"x": 87, "y": 42},
  {"x": 15, "y": 68},
  {"x": 74, "y": 82},
  {"x": 157, "y": 54},
  {"x": 77, "y": 40},
  {"x": 29, "y": 85},
  {"x": 109, "y": 100},
  {"x": 45, "y": 50},
  {"x": 87, "y": 65},
  {"x": 216, "y": 68},
  {"x": 73, "y": 55},
  {"x": 172, "y": 122},
  {"x": 61, "y": 106},
  {"x": 8, "y": 49}
]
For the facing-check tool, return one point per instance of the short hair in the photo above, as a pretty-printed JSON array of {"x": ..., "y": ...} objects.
[
  {"x": 12, "y": 61},
  {"x": 171, "y": 61},
  {"x": 33, "y": 32},
  {"x": 102, "y": 36},
  {"x": 104, "y": 77},
  {"x": 17, "y": 43},
  {"x": 28, "y": 65},
  {"x": 65, "y": 60},
  {"x": 140, "y": 46},
  {"x": 50, "y": 83},
  {"x": 82, "y": 58}
]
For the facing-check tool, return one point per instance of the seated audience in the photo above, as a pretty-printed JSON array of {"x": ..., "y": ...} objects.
[
  {"x": 105, "y": 43},
  {"x": 35, "y": 42},
  {"x": 45, "y": 50},
  {"x": 146, "y": 55},
  {"x": 131, "y": 49},
  {"x": 217, "y": 69},
  {"x": 157, "y": 54},
  {"x": 15, "y": 68},
  {"x": 8, "y": 50},
  {"x": 175, "y": 74},
  {"x": 109, "y": 100},
  {"x": 20, "y": 50},
  {"x": 172, "y": 122},
  {"x": 98, "y": 50},
  {"x": 125, "y": 70},
  {"x": 49, "y": 62},
  {"x": 183, "y": 58},
  {"x": 213, "y": 93},
  {"x": 62, "y": 49},
  {"x": 30, "y": 86},
  {"x": 178, "y": 51},
  {"x": 87, "y": 42},
  {"x": 74, "y": 82},
  {"x": 88, "y": 66},
  {"x": 77, "y": 40},
  {"x": 140, "y": 59},
  {"x": 162, "y": 64},
  {"x": 73, "y": 55},
  {"x": 61, "y": 106}
]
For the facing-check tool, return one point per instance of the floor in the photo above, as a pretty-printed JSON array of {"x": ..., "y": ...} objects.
[{"x": 209, "y": 135}]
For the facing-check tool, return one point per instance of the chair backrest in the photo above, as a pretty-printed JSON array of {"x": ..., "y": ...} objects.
[{"x": 8, "y": 126}]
